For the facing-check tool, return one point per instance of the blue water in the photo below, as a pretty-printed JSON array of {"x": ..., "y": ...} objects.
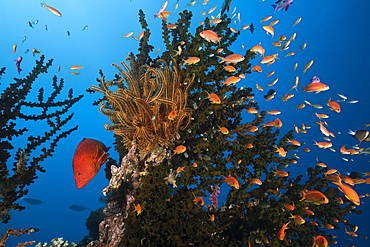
[{"x": 337, "y": 40}]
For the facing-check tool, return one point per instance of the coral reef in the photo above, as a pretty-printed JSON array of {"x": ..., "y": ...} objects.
[
  {"x": 170, "y": 186},
  {"x": 13, "y": 105},
  {"x": 17, "y": 233},
  {"x": 57, "y": 242}
]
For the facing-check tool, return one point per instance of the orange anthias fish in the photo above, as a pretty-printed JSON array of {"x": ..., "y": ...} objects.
[
  {"x": 324, "y": 130},
  {"x": 231, "y": 80},
  {"x": 192, "y": 60},
  {"x": 210, "y": 36},
  {"x": 230, "y": 68},
  {"x": 179, "y": 149},
  {"x": 298, "y": 220},
  {"x": 315, "y": 197},
  {"x": 138, "y": 209},
  {"x": 287, "y": 97},
  {"x": 128, "y": 35},
  {"x": 233, "y": 182},
  {"x": 75, "y": 67},
  {"x": 163, "y": 15},
  {"x": 320, "y": 241},
  {"x": 199, "y": 201},
  {"x": 266, "y": 18},
  {"x": 89, "y": 156},
  {"x": 214, "y": 98},
  {"x": 258, "y": 49},
  {"x": 281, "y": 233},
  {"x": 51, "y": 9},
  {"x": 273, "y": 112},
  {"x": 323, "y": 145},
  {"x": 350, "y": 193},
  {"x": 334, "y": 106},
  {"x": 269, "y": 30},
  {"x": 256, "y": 68},
  {"x": 289, "y": 207},
  {"x": 281, "y": 151},
  {"x": 269, "y": 59},
  {"x": 224, "y": 130},
  {"x": 172, "y": 115},
  {"x": 252, "y": 110},
  {"x": 276, "y": 123},
  {"x": 316, "y": 87},
  {"x": 281, "y": 173},
  {"x": 233, "y": 58},
  {"x": 256, "y": 181}
]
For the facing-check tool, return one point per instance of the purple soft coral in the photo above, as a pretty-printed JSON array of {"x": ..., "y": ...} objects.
[{"x": 214, "y": 196}]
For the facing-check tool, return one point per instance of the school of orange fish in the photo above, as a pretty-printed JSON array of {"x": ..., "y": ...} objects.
[{"x": 343, "y": 182}]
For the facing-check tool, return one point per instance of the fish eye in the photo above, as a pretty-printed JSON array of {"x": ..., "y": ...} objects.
[{"x": 78, "y": 173}]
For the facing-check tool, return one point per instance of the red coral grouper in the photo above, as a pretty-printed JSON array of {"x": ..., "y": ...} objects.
[{"x": 89, "y": 156}]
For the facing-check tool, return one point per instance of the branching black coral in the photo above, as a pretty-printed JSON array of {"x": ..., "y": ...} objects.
[
  {"x": 140, "y": 112},
  {"x": 13, "y": 105}
]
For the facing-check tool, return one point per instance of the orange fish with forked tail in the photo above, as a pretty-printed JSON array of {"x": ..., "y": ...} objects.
[
  {"x": 233, "y": 182},
  {"x": 350, "y": 193},
  {"x": 89, "y": 156},
  {"x": 315, "y": 197},
  {"x": 281, "y": 233},
  {"x": 51, "y": 9}
]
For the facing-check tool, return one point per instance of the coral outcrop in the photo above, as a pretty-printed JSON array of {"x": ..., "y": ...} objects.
[{"x": 224, "y": 152}]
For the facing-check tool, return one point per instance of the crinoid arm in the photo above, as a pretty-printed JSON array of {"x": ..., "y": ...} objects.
[{"x": 140, "y": 107}]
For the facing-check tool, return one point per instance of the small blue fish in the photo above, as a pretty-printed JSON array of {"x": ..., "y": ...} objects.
[
  {"x": 30, "y": 24},
  {"x": 24, "y": 39},
  {"x": 85, "y": 27},
  {"x": 68, "y": 33},
  {"x": 32, "y": 201},
  {"x": 78, "y": 207},
  {"x": 46, "y": 27},
  {"x": 282, "y": 4}
]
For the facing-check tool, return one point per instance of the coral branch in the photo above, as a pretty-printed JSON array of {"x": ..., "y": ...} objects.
[{"x": 13, "y": 105}]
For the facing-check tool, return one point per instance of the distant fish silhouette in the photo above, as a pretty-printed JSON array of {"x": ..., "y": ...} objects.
[
  {"x": 32, "y": 201},
  {"x": 251, "y": 28},
  {"x": 78, "y": 207}
]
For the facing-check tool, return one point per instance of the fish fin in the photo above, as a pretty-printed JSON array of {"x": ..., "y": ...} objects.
[
  {"x": 351, "y": 132},
  {"x": 222, "y": 59},
  {"x": 104, "y": 158}
]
